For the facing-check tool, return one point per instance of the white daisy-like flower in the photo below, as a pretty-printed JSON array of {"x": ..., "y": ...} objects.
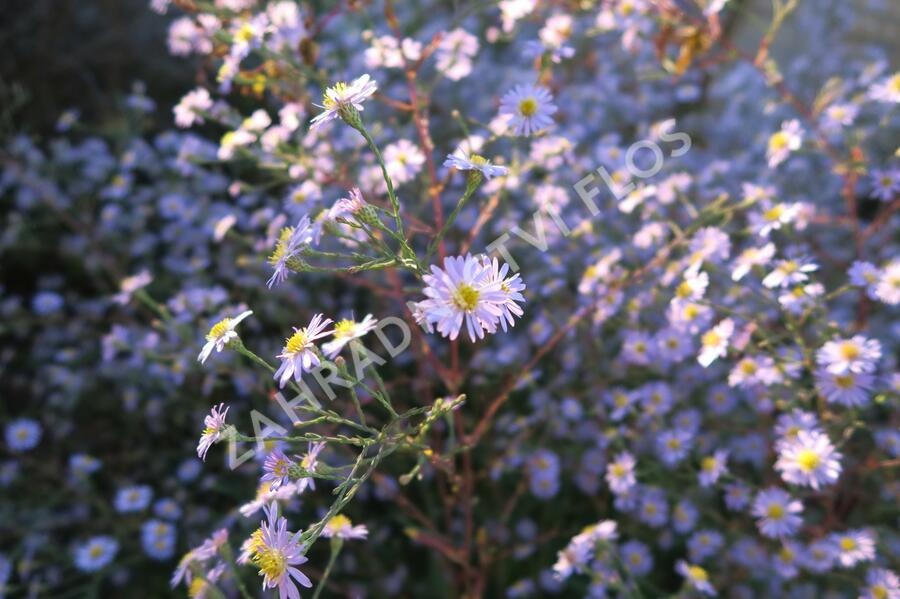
[
  {"x": 783, "y": 142},
  {"x": 512, "y": 287},
  {"x": 346, "y": 331},
  {"x": 715, "y": 342},
  {"x": 215, "y": 424},
  {"x": 342, "y": 96},
  {"x": 221, "y": 334},
  {"x": 475, "y": 162},
  {"x": 531, "y": 107},
  {"x": 464, "y": 290},
  {"x": 887, "y": 289},
  {"x": 809, "y": 459},
  {"x": 299, "y": 352},
  {"x": 341, "y": 527},
  {"x": 856, "y": 354}
]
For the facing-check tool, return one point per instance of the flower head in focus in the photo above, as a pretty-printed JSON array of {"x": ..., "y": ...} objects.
[
  {"x": 221, "y": 334},
  {"x": 299, "y": 352},
  {"x": 466, "y": 291},
  {"x": 277, "y": 555},
  {"x": 346, "y": 331},
  {"x": 291, "y": 241},
  {"x": 343, "y": 100},
  {"x": 475, "y": 162},
  {"x": 215, "y": 424},
  {"x": 530, "y": 108}
]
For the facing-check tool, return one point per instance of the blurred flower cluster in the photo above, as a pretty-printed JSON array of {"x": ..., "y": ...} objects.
[{"x": 415, "y": 299}]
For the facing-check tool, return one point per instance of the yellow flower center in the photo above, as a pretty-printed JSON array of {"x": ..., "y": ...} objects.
[
  {"x": 196, "y": 588},
  {"x": 339, "y": 89},
  {"x": 786, "y": 555},
  {"x": 698, "y": 573},
  {"x": 345, "y": 328},
  {"x": 339, "y": 522},
  {"x": 465, "y": 297},
  {"x": 281, "y": 245},
  {"x": 808, "y": 460},
  {"x": 849, "y": 350},
  {"x": 778, "y": 141},
  {"x": 879, "y": 592},
  {"x": 684, "y": 290},
  {"x": 844, "y": 381},
  {"x": 711, "y": 339},
  {"x": 894, "y": 83},
  {"x": 748, "y": 366},
  {"x": 709, "y": 464},
  {"x": 478, "y": 160},
  {"x": 528, "y": 107},
  {"x": 775, "y": 511},
  {"x": 774, "y": 213},
  {"x": 691, "y": 311},
  {"x": 96, "y": 551},
  {"x": 271, "y": 562},
  {"x": 673, "y": 443},
  {"x": 219, "y": 329},
  {"x": 618, "y": 470},
  {"x": 245, "y": 33},
  {"x": 848, "y": 544},
  {"x": 296, "y": 343}
]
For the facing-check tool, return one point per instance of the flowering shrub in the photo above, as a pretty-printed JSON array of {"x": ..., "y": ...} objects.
[{"x": 587, "y": 299}]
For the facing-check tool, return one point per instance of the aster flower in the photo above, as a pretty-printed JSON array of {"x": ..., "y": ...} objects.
[
  {"x": 886, "y": 184},
  {"x": 778, "y": 513},
  {"x": 772, "y": 216},
  {"x": 530, "y": 107},
  {"x": 215, "y": 425},
  {"x": 299, "y": 352},
  {"x": 851, "y": 389},
  {"x": 712, "y": 467},
  {"x": 309, "y": 463},
  {"x": 220, "y": 335},
  {"x": 475, "y": 162},
  {"x": 887, "y": 289},
  {"x": 783, "y": 142},
  {"x": 789, "y": 425},
  {"x": 620, "y": 473},
  {"x": 855, "y": 355},
  {"x": 887, "y": 90},
  {"x": 276, "y": 469},
  {"x": 278, "y": 554},
  {"x": 854, "y": 547},
  {"x": 403, "y": 161},
  {"x": 696, "y": 576},
  {"x": 809, "y": 459},
  {"x": 789, "y": 272},
  {"x": 352, "y": 205},
  {"x": 22, "y": 435},
  {"x": 187, "y": 111},
  {"x": 512, "y": 287},
  {"x": 341, "y": 98},
  {"x": 95, "y": 553},
  {"x": 131, "y": 284},
  {"x": 715, "y": 342},
  {"x": 346, "y": 331},
  {"x": 290, "y": 242},
  {"x": 341, "y": 527},
  {"x": 751, "y": 257},
  {"x": 465, "y": 290},
  {"x": 265, "y": 495},
  {"x": 133, "y": 499},
  {"x": 881, "y": 583},
  {"x": 636, "y": 557}
]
